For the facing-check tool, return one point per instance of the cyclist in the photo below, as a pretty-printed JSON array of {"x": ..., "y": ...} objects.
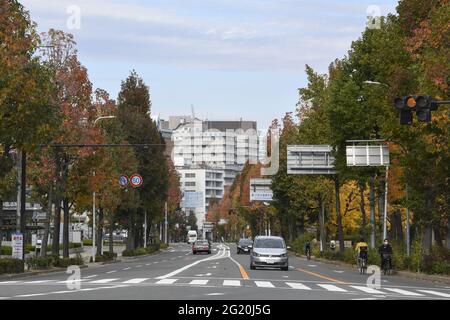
[
  {"x": 385, "y": 251},
  {"x": 361, "y": 250},
  {"x": 308, "y": 249}
]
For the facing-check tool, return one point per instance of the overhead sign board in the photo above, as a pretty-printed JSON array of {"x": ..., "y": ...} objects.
[
  {"x": 17, "y": 245},
  {"x": 260, "y": 190},
  {"x": 368, "y": 155},
  {"x": 310, "y": 159},
  {"x": 192, "y": 200}
]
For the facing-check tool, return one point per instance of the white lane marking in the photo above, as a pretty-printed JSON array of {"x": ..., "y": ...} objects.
[
  {"x": 285, "y": 276},
  {"x": 147, "y": 264},
  {"x": 156, "y": 262},
  {"x": 441, "y": 294},
  {"x": 136, "y": 280},
  {"x": 72, "y": 281},
  {"x": 171, "y": 274},
  {"x": 296, "y": 285},
  {"x": 264, "y": 284},
  {"x": 8, "y": 282},
  {"x": 367, "y": 289},
  {"x": 180, "y": 256},
  {"x": 338, "y": 271},
  {"x": 331, "y": 287},
  {"x": 167, "y": 281},
  {"x": 215, "y": 294},
  {"x": 312, "y": 265},
  {"x": 365, "y": 299},
  {"x": 235, "y": 283},
  {"x": 39, "y": 281},
  {"x": 187, "y": 254},
  {"x": 139, "y": 266},
  {"x": 30, "y": 295},
  {"x": 88, "y": 277},
  {"x": 3, "y": 298},
  {"x": 404, "y": 292},
  {"x": 103, "y": 281},
  {"x": 199, "y": 282},
  {"x": 112, "y": 271}
]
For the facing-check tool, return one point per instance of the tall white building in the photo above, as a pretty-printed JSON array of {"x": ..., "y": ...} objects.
[{"x": 209, "y": 154}]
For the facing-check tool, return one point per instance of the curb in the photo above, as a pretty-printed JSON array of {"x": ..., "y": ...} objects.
[
  {"x": 400, "y": 273},
  {"x": 35, "y": 273}
]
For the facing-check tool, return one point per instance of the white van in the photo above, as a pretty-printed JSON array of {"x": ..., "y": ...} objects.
[{"x": 192, "y": 236}]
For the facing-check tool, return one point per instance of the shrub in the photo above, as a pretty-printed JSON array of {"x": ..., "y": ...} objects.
[
  {"x": 298, "y": 244},
  {"x": 37, "y": 263},
  {"x": 106, "y": 256},
  {"x": 65, "y": 262},
  {"x": 9, "y": 265},
  {"x": 128, "y": 253},
  {"x": 6, "y": 251},
  {"x": 87, "y": 242}
]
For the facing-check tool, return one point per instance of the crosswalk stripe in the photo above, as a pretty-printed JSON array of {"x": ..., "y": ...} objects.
[
  {"x": 264, "y": 284},
  {"x": 39, "y": 281},
  {"x": 167, "y": 281},
  {"x": 404, "y": 292},
  {"x": 441, "y": 294},
  {"x": 367, "y": 289},
  {"x": 103, "y": 281},
  {"x": 201, "y": 282},
  {"x": 136, "y": 280},
  {"x": 296, "y": 285},
  {"x": 331, "y": 287},
  {"x": 93, "y": 276},
  {"x": 235, "y": 283},
  {"x": 71, "y": 281}
]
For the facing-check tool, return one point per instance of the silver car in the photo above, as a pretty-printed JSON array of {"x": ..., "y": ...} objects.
[{"x": 269, "y": 251}]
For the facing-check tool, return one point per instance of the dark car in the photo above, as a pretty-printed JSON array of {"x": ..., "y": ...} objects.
[
  {"x": 244, "y": 246},
  {"x": 201, "y": 246}
]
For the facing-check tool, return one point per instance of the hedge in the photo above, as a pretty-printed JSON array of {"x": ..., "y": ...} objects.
[
  {"x": 9, "y": 265},
  {"x": 141, "y": 250}
]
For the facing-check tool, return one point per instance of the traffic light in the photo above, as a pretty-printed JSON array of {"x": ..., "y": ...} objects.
[{"x": 422, "y": 105}]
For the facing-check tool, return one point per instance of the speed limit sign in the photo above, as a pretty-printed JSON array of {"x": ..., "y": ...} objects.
[{"x": 136, "y": 180}]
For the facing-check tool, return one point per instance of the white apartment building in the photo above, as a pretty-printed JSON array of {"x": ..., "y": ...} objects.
[
  {"x": 199, "y": 187},
  {"x": 214, "y": 151}
]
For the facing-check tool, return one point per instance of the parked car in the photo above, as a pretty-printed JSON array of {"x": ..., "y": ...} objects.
[
  {"x": 201, "y": 246},
  {"x": 244, "y": 246},
  {"x": 269, "y": 251}
]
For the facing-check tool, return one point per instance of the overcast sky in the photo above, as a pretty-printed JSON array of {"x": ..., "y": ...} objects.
[{"x": 229, "y": 58}]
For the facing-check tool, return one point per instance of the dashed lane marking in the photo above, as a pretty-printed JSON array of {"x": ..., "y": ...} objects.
[
  {"x": 103, "y": 281},
  {"x": 167, "y": 281},
  {"x": 136, "y": 280},
  {"x": 440, "y": 294}
]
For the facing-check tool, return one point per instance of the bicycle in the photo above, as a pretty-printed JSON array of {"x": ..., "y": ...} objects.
[
  {"x": 362, "y": 264},
  {"x": 308, "y": 254},
  {"x": 386, "y": 263}
]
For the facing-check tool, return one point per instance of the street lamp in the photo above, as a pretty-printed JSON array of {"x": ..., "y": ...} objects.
[
  {"x": 93, "y": 201},
  {"x": 387, "y": 174}
]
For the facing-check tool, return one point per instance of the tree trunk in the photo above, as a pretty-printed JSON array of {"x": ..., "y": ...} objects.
[
  {"x": 66, "y": 224},
  {"x": 362, "y": 207},
  {"x": 100, "y": 231},
  {"x": 340, "y": 232},
  {"x": 426, "y": 241},
  {"x": 372, "y": 211},
  {"x": 130, "y": 238},
  {"x": 448, "y": 234},
  {"x": 380, "y": 205},
  {"x": 57, "y": 220},
  {"x": 111, "y": 236},
  {"x": 396, "y": 226},
  {"x": 1, "y": 222},
  {"x": 48, "y": 217},
  {"x": 437, "y": 235},
  {"x": 56, "y": 228}
]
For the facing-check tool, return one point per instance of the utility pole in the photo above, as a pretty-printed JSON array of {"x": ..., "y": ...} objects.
[
  {"x": 165, "y": 223},
  {"x": 408, "y": 240},
  {"x": 145, "y": 230},
  {"x": 385, "y": 204},
  {"x": 93, "y": 227},
  {"x": 21, "y": 198}
]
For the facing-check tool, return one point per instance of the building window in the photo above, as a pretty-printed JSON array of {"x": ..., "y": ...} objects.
[
  {"x": 189, "y": 184},
  {"x": 189, "y": 175}
]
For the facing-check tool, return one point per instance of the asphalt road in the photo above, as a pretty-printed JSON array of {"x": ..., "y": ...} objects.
[{"x": 177, "y": 274}]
